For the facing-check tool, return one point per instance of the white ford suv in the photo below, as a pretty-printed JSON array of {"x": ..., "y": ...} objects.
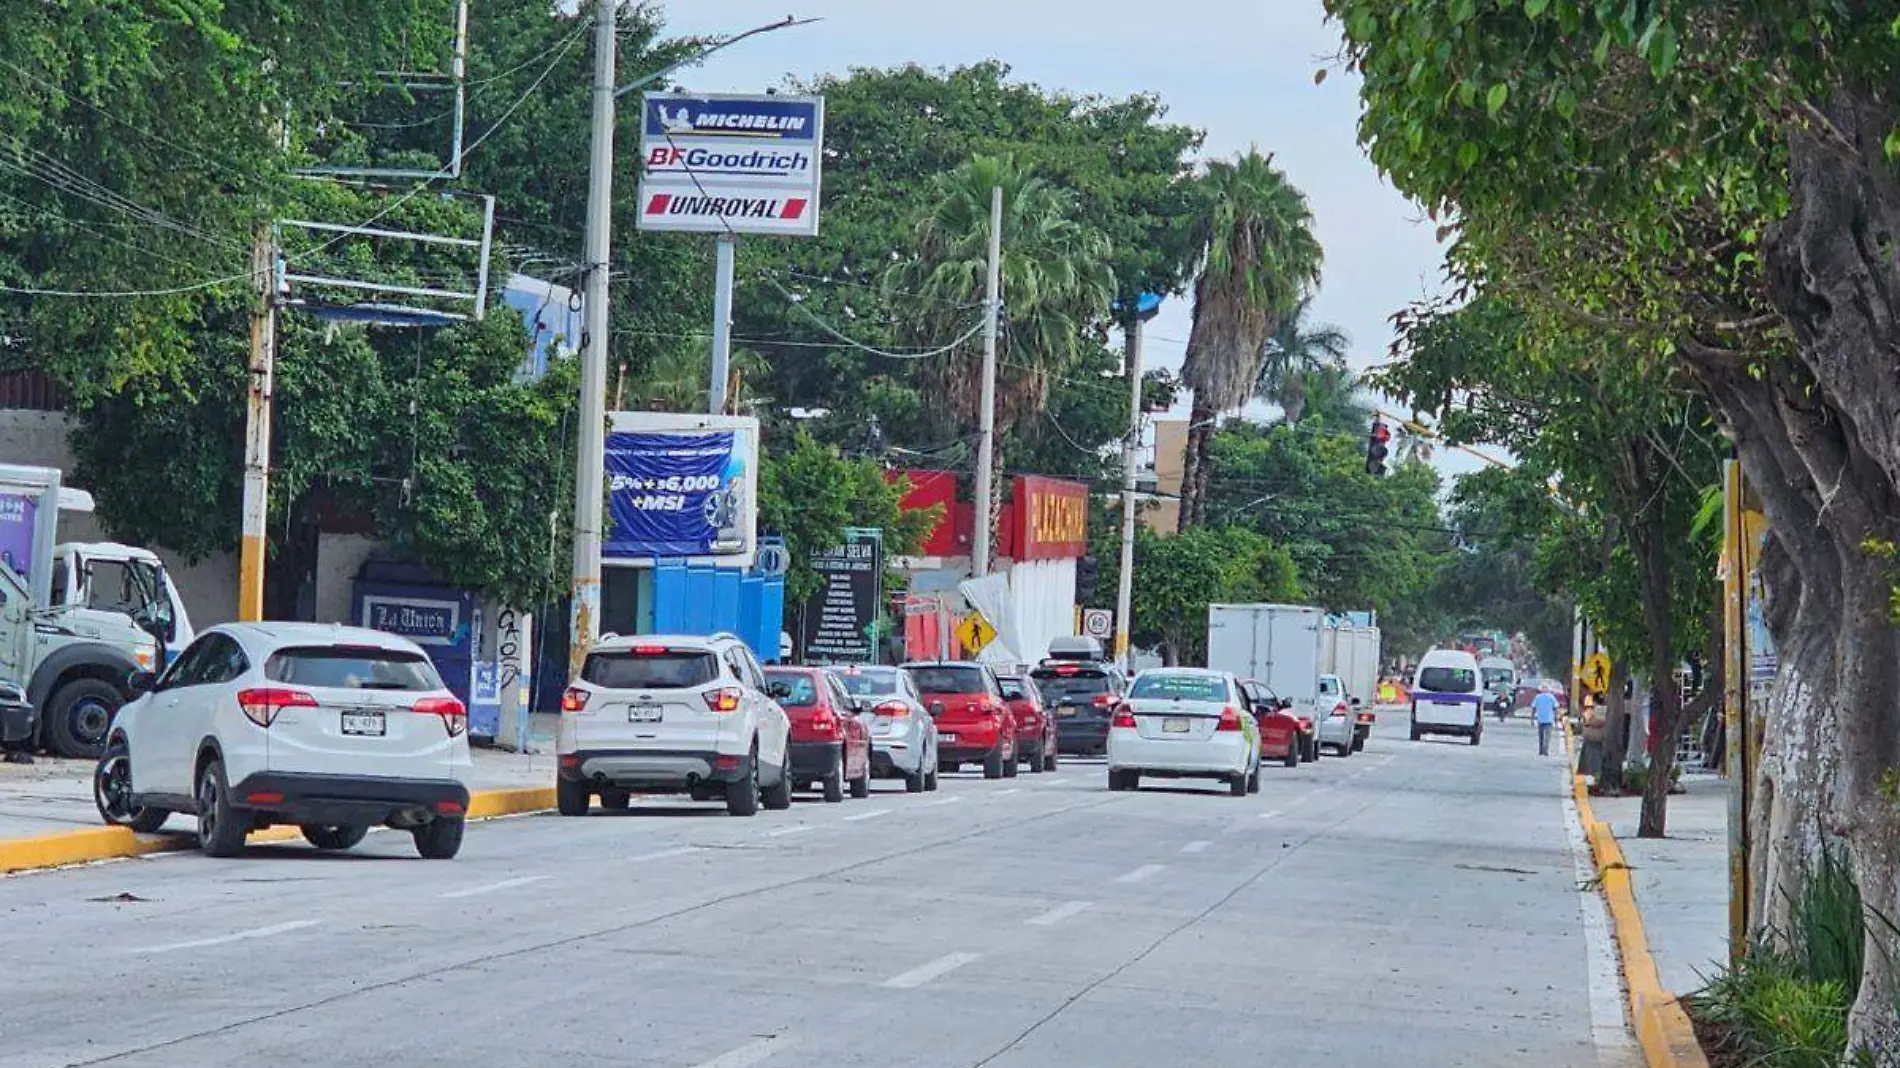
[
  {"x": 672, "y": 714},
  {"x": 334, "y": 729}
]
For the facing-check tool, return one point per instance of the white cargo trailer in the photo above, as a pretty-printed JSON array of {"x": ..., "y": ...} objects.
[{"x": 1276, "y": 644}]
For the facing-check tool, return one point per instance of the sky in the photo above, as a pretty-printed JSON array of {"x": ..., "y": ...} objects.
[{"x": 1241, "y": 70}]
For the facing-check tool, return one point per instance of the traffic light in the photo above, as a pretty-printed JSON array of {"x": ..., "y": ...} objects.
[
  {"x": 1375, "y": 448},
  {"x": 1086, "y": 571}
]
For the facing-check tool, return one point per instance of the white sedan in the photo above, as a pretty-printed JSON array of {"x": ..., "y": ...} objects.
[{"x": 1185, "y": 723}]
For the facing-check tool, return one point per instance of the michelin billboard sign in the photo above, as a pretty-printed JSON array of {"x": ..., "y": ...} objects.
[{"x": 748, "y": 164}]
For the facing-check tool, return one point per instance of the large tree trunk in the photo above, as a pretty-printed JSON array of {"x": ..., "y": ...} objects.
[
  {"x": 1616, "y": 727},
  {"x": 1194, "y": 466},
  {"x": 1648, "y": 538}
]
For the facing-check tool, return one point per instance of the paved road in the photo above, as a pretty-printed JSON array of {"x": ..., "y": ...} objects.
[{"x": 1416, "y": 904}]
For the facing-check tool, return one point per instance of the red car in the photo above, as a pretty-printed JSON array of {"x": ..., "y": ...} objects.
[
  {"x": 1035, "y": 727},
  {"x": 830, "y": 746},
  {"x": 1282, "y": 734},
  {"x": 974, "y": 723}
]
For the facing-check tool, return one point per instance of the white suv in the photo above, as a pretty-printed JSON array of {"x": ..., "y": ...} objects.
[
  {"x": 334, "y": 729},
  {"x": 671, "y": 714}
]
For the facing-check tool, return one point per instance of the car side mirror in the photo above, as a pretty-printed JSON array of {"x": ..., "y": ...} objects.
[
  {"x": 1285, "y": 703},
  {"x": 140, "y": 682}
]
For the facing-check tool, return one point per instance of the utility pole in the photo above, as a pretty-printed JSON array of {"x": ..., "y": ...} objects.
[
  {"x": 724, "y": 252},
  {"x": 590, "y": 469},
  {"x": 1131, "y": 446},
  {"x": 986, "y": 418},
  {"x": 257, "y": 418}
]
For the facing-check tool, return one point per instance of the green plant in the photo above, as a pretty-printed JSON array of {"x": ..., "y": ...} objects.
[{"x": 1828, "y": 926}]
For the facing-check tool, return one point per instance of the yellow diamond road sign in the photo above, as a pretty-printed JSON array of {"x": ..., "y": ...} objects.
[
  {"x": 1596, "y": 673},
  {"x": 975, "y": 632}
]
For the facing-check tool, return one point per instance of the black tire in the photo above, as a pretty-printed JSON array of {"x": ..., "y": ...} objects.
[
  {"x": 861, "y": 786},
  {"x": 993, "y": 764},
  {"x": 615, "y": 799},
  {"x": 439, "y": 839},
  {"x": 1131, "y": 780},
  {"x": 930, "y": 782},
  {"x": 1049, "y": 761},
  {"x": 778, "y": 796},
  {"x": 833, "y": 782},
  {"x": 1034, "y": 760},
  {"x": 916, "y": 782},
  {"x": 1013, "y": 765},
  {"x": 742, "y": 797},
  {"x": 1359, "y": 744},
  {"x": 333, "y": 837},
  {"x": 1292, "y": 757},
  {"x": 1476, "y": 736},
  {"x": 1115, "y": 782},
  {"x": 112, "y": 792},
  {"x": 1253, "y": 780},
  {"x": 78, "y": 715},
  {"x": 1237, "y": 785},
  {"x": 571, "y": 797},
  {"x": 1415, "y": 734},
  {"x": 1345, "y": 751},
  {"x": 221, "y": 825}
]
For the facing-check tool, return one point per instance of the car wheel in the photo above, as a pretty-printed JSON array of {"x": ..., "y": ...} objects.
[
  {"x": 1292, "y": 757},
  {"x": 1011, "y": 766},
  {"x": 221, "y": 825},
  {"x": 79, "y": 715},
  {"x": 1049, "y": 762},
  {"x": 778, "y": 796},
  {"x": 571, "y": 797},
  {"x": 742, "y": 797},
  {"x": 1115, "y": 781},
  {"x": 930, "y": 782},
  {"x": 1358, "y": 745},
  {"x": 332, "y": 836},
  {"x": 834, "y": 781},
  {"x": 1475, "y": 736},
  {"x": 1253, "y": 780},
  {"x": 615, "y": 799},
  {"x": 439, "y": 839},
  {"x": 1034, "y": 760},
  {"x": 1415, "y": 734},
  {"x": 1345, "y": 750},
  {"x": 1237, "y": 785},
  {"x": 993, "y": 764},
  {"x": 916, "y": 782},
  {"x": 112, "y": 792},
  {"x": 861, "y": 786}
]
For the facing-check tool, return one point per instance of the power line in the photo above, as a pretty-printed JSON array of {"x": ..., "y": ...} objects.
[{"x": 797, "y": 302}]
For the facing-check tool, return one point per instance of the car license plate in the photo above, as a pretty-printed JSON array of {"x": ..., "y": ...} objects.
[
  {"x": 947, "y": 739},
  {"x": 1174, "y": 726},
  {"x": 643, "y": 714},
  {"x": 365, "y": 723},
  {"x": 1067, "y": 710}
]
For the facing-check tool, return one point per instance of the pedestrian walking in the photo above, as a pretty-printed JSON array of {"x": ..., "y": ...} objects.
[{"x": 1544, "y": 708}]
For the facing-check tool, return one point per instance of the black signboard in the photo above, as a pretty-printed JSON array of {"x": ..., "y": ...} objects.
[{"x": 841, "y": 619}]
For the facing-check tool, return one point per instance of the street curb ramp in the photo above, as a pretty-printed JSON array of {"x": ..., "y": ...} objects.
[
  {"x": 1661, "y": 1026},
  {"x": 90, "y": 844}
]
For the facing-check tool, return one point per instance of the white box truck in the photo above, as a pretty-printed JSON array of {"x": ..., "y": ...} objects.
[{"x": 1277, "y": 645}]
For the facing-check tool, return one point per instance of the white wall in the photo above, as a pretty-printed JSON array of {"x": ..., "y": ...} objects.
[{"x": 339, "y": 557}]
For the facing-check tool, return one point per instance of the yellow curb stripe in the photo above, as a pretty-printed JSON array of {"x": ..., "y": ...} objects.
[{"x": 63, "y": 848}]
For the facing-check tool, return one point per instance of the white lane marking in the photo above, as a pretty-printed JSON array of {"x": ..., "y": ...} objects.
[
  {"x": 255, "y": 932},
  {"x": 871, "y": 815},
  {"x": 1607, "y": 1027},
  {"x": 918, "y": 976},
  {"x": 1194, "y": 847},
  {"x": 1011, "y": 790},
  {"x": 788, "y": 830},
  {"x": 1140, "y": 874},
  {"x": 1058, "y": 914},
  {"x": 489, "y": 888},
  {"x": 1272, "y": 813},
  {"x": 678, "y": 851},
  {"x": 947, "y": 800},
  {"x": 749, "y": 1054}
]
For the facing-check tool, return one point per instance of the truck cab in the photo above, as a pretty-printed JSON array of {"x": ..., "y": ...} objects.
[{"x": 103, "y": 584}]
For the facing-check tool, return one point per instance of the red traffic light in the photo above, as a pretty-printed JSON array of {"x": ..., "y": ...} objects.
[{"x": 1380, "y": 432}]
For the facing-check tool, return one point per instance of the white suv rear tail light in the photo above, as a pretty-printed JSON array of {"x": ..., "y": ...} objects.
[
  {"x": 724, "y": 699},
  {"x": 262, "y": 704},
  {"x": 454, "y": 715},
  {"x": 573, "y": 699}
]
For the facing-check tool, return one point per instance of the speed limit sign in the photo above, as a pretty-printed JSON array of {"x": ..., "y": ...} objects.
[{"x": 1098, "y": 623}]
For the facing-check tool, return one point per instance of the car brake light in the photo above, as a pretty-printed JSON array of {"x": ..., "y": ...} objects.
[
  {"x": 1229, "y": 719},
  {"x": 1067, "y": 669},
  {"x": 893, "y": 709},
  {"x": 262, "y": 704},
  {"x": 724, "y": 699},
  {"x": 823, "y": 723},
  {"x": 454, "y": 714},
  {"x": 1124, "y": 717},
  {"x": 650, "y": 650},
  {"x": 1103, "y": 700},
  {"x": 573, "y": 699}
]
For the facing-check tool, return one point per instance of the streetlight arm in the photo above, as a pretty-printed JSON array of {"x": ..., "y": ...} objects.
[{"x": 698, "y": 57}]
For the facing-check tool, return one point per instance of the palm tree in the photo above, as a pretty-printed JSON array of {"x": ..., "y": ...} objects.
[
  {"x": 1294, "y": 353},
  {"x": 1257, "y": 257},
  {"x": 1056, "y": 284},
  {"x": 1333, "y": 393}
]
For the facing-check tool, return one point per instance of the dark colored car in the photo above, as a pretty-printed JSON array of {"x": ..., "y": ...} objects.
[
  {"x": 974, "y": 723},
  {"x": 1082, "y": 694},
  {"x": 1035, "y": 728},
  {"x": 831, "y": 745}
]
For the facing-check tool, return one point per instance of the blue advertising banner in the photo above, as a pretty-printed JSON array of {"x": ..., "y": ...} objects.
[{"x": 676, "y": 493}]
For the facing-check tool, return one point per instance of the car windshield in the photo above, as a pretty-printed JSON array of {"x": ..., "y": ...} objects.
[
  {"x": 651, "y": 669},
  {"x": 1447, "y": 679},
  {"x": 1013, "y": 689},
  {"x": 1067, "y": 685},
  {"x": 337, "y": 668},
  {"x": 956, "y": 679},
  {"x": 793, "y": 689},
  {"x": 869, "y": 683},
  {"x": 1328, "y": 685},
  {"x": 1497, "y": 676},
  {"x": 1173, "y": 687}
]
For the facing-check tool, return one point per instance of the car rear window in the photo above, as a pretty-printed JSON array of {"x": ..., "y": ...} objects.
[
  {"x": 949, "y": 679},
  {"x": 1070, "y": 685},
  {"x": 869, "y": 683},
  {"x": 1180, "y": 687},
  {"x": 798, "y": 689},
  {"x": 665, "y": 669},
  {"x": 1448, "y": 680},
  {"x": 333, "y": 667},
  {"x": 1013, "y": 689}
]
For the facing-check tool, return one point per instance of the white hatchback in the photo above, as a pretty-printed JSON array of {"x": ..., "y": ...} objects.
[
  {"x": 672, "y": 714},
  {"x": 1185, "y": 723},
  {"x": 334, "y": 729}
]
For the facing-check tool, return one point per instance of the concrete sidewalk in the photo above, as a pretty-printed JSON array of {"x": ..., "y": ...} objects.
[
  {"x": 1680, "y": 882},
  {"x": 53, "y": 795}
]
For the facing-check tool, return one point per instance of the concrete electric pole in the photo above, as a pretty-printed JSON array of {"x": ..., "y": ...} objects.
[
  {"x": 986, "y": 417},
  {"x": 257, "y": 420},
  {"x": 1131, "y": 449},
  {"x": 590, "y": 469}
]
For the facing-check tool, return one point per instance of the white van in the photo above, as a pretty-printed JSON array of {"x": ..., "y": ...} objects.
[{"x": 1448, "y": 695}]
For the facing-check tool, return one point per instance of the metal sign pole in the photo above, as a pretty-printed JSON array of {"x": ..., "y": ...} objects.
[
  {"x": 590, "y": 467},
  {"x": 725, "y": 249}
]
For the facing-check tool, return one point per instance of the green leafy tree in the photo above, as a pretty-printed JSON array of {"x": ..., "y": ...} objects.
[
  {"x": 1178, "y": 575},
  {"x": 1298, "y": 351},
  {"x": 809, "y": 493}
]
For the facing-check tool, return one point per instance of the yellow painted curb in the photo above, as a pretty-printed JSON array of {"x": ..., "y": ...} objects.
[
  {"x": 107, "y": 843},
  {"x": 1662, "y": 1027}
]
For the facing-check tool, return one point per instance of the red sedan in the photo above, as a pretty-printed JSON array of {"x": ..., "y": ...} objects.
[
  {"x": 1035, "y": 726},
  {"x": 974, "y": 723},
  {"x": 1282, "y": 734},
  {"x": 830, "y": 746}
]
